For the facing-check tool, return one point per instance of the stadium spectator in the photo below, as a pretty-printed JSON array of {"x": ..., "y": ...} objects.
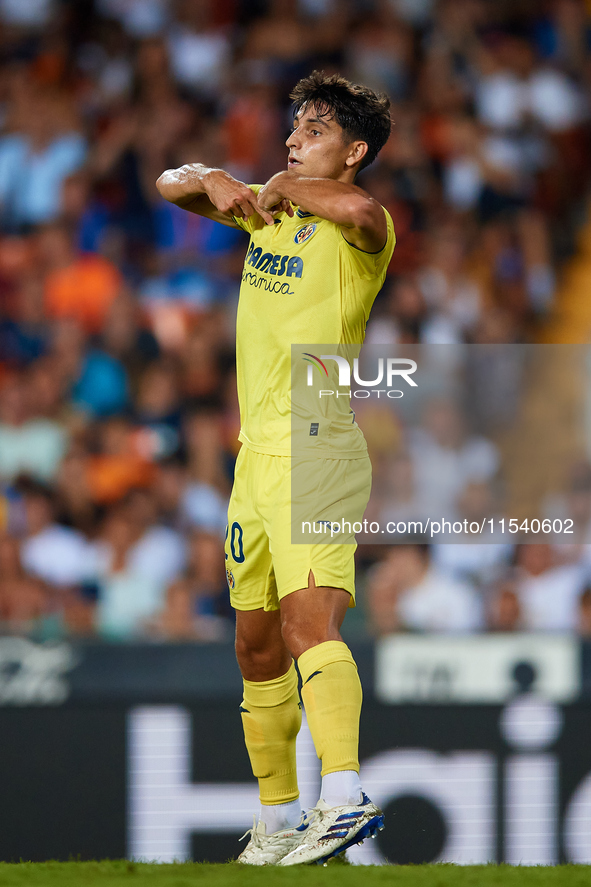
[
  {"x": 548, "y": 591},
  {"x": 140, "y": 18},
  {"x": 125, "y": 598},
  {"x": 584, "y": 613},
  {"x": 402, "y": 318},
  {"x": 197, "y": 605},
  {"x": 504, "y": 610},
  {"x": 23, "y": 599},
  {"x": 95, "y": 380},
  {"x": 199, "y": 51},
  {"x": 136, "y": 558},
  {"x": 178, "y": 621},
  {"x": 453, "y": 301},
  {"x": 120, "y": 465},
  {"x": 480, "y": 560},
  {"x": 78, "y": 286},
  {"x": 58, "y": 555},
  {"x": 396, "y": 498},
  {"x": 446, "y": 458},
  {"x": 406, "y": 591},
  {"x": 574, "y": 502},
  {"x": 30, "y": 443},
  {"x": 41, "y": 149},
  {"x": 157, "y": 411},
  {"x": 156, "y": 550},
  {"x": 126, "y": 336}
]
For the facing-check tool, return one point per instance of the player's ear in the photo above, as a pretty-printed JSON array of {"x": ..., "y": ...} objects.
[{"x": 357, "y": 152}]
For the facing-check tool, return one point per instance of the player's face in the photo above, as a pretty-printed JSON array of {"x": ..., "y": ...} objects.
[{"x": 318, "y": 148}]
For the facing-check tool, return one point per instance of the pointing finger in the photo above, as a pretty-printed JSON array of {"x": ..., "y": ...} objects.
[
  {"x": 263, "y": 212},
  {"x": 245, "y": 208}
]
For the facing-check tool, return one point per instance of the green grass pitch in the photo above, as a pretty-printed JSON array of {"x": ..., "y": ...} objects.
[{"x": 129, "y": 874}]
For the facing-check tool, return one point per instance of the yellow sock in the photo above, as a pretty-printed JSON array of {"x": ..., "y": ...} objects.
[
  {"x": 271, "y": 717},
  {"x": 331, "y": 693}
]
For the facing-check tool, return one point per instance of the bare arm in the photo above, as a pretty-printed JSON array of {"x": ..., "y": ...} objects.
[
  {"x": 361, "y": 218},
  {"x": 210, "y": 192}
]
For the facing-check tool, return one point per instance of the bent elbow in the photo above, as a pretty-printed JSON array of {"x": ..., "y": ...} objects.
[
  {"x": 365, "y": 213},
  {"x": 162, "y": 183}
]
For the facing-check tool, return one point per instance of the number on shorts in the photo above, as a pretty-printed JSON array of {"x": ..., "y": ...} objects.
[{"x": 237, "y": 531}]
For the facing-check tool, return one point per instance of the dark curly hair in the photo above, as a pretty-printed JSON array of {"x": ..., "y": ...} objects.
[{"x": 360, "y": 112}]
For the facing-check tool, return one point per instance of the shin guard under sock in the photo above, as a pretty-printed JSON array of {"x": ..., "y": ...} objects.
[
  {"x": 271, "y": 717},
  {"x": 331, "y": 693}
]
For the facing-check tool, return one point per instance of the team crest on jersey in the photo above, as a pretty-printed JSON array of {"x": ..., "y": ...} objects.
[
  {"x": 305, "y": 233},
  {"x": 230, "y": 578}
]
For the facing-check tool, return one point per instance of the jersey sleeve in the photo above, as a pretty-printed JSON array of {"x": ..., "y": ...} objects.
[
  {"x": 255, "y": 221},
  {"x": 367, "y": 265}
]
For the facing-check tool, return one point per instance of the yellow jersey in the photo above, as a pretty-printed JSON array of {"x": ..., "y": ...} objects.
[{"x": 302, "y": 283}]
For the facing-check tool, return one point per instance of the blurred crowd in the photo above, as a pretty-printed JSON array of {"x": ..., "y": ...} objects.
[
  {"x": 470, "y": 575},
  {"x": 118, "y": 411},
  {"x": 469, "y": 588}
]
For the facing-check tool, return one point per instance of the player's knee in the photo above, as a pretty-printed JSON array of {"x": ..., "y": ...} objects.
[
  {"x": 260, "y": 663},
  {"x": 299, "y": 637},
  {"x": 302, "y": 633}
]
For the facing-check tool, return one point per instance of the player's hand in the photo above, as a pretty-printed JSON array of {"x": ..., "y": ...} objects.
[
  {"x": 271, "y": 198},
  {"x": 284, "y": 206},
  {"x": 233, "y": 197}
]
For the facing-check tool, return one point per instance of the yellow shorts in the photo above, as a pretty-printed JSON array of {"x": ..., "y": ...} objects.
[{"x": 263, "y": 565}]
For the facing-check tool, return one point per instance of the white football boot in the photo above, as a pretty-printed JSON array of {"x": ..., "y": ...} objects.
[
  {"x": 264, "y": 849},
  {"x": 333, "y": 829}
]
